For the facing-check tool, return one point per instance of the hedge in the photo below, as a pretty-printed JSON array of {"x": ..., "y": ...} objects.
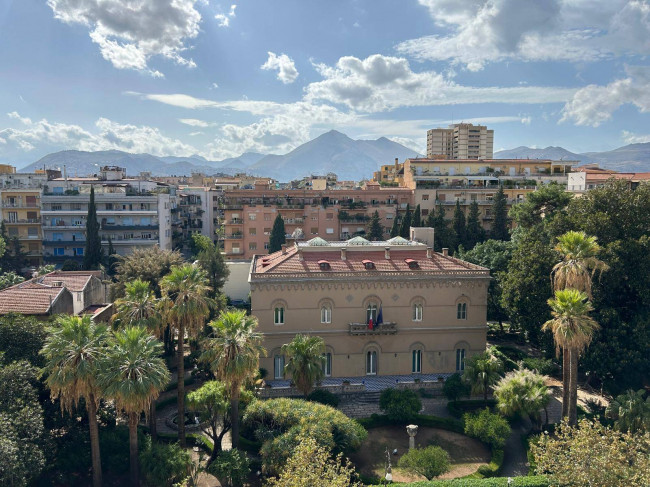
[
  {"x": 492, "y": 468},
  {"x": 536, "y": 481},
  {"x": 458, "y": 408},
  {"x": 377, "y": 420}
]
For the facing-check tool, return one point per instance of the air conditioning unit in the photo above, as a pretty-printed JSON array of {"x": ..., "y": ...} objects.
[{"x": 57, "y": 283}]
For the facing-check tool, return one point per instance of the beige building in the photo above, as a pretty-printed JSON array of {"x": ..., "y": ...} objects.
[
  {"x": 461, "y": 141},
  {"x": 428, "y": 310}
]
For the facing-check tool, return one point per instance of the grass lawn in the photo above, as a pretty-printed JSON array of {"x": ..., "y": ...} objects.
[{"x": 467, "y": 454}]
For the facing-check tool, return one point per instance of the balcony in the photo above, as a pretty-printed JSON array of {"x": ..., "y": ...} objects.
[
  {"x": 118, "y": 228},
  {"x": 29, "y": 220},
  {"x": 18, "y": 204},
  {"x": 234, "y": 236},
  {"x": 386, "y": 328},
  {"x": 235, "y": 221}
]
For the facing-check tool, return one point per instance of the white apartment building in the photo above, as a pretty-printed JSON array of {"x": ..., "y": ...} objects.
[
  {"x": 460, "y": 141},
  {"x": 133, "y": 213}
]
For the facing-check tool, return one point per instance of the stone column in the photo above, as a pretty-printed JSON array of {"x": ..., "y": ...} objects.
[{"x": 412, "y": 430}]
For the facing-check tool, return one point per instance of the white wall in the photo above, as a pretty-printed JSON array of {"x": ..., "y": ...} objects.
[{"x": 237, "y": 287}]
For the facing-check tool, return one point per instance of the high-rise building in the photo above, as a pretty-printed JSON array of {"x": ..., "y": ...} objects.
[{"x": 460, "y": 141}]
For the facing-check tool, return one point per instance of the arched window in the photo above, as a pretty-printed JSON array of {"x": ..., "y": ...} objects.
[
  {"x": 417, "y": 312},
  {"x": 461, "y": 311},
  {"x": 278, "y": 315},
  {"x": 327, "y": 364},
  {"x": 326, "y": 314},
  {"x": 416, "y": 361},
  {"x": 371, "y": 362},
  {"x": 460, "y": 359},
  {"x": 371, "y": 312},
  {"x": 278, "y": 367}
]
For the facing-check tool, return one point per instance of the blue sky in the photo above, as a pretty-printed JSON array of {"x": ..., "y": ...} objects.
[{"x": 182, "y": 77}]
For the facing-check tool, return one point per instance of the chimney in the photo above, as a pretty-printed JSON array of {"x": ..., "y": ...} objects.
[
  {"x": 445, "y": 252},
  {"x": 284, "y": 248},
  {"x": 429, "y": 253},
  {"x": 387, "y": 253},
  {"x": 300, "y": 256},
  {"x": 396, "y": 162},
  {"x": 343, "y": 257}
]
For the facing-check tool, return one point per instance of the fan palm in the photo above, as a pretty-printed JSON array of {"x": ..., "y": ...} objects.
[
  {"x": 630, "y": 411},
  {"x": 133, "y": 374},
  {"x": 72, "y": 351},
  {"x": 186, "y": 306},
  {"x": 305, "y": 361},
  {"x": 572, "y": 329},
  {"x": 233, "y": 353},
  {"x": 482, "y": 371},
  {"x": 523, "y": 392}
]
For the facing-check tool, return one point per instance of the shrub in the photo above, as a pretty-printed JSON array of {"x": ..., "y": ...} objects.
[
  {"x": 401, "y": 406},
  {"x": 231, "y": 467},
  {"x": 164, "y": 464},
  {"x": 541, "y": 365},
  {"x": 492, "y": 468},
  {"x": 487, "y": 427},
  {"x": 429, "y": 462},
  {"x": 536, "y": 481},
  {"x": 455, "y": 388},
  {"x": 458, "y": 408},
  {"x": 324, "y": 396}
]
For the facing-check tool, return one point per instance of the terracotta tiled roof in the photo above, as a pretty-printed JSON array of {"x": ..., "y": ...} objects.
[
  {"x": 29, "y": 298},
  {"x": 74, "y": 280}
]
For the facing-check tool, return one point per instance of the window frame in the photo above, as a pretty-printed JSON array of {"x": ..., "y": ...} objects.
[
  {"x": 327, "y": 364},
  {"x": 278, "y": 367},
  {"x": 371, "y": 362},
  {"x": 461, "y": 311},
  {"x": 326, "y": 314},
  {"x": 418, "y": 311},
  {"x": 278, "y": 314},
  {"x": 416, "y": 361},
  {"x": 460, "y": 359}
]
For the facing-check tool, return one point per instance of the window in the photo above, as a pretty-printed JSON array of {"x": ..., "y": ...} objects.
[
  {"x": 327, "y": 364},
  {"x": 329, "y": 216},
  {"x": 75, "y": 206},
  {"x": 461, "y": 311},
  {"x": 59, "y": 251},
  {"x": 278, "y": 367},
  {"x": 57, "y": 237},
  {"x": 329, "y": 231},
  {"x": 371, "y": 312},
  {"x": 416, "y": 362},
  {"x": 77, "y": 222},
  {"x": 145, "y": 221},
  {"x": 371, "y": 362},
  {"x": 109, "y": 206},
  {"x": 267, "y": 245},
  {"x": 252, "y": 246},
  {"x": 460, "y": 359},
  {"x": 267, "y": 231},
  {"x": 389, "y": 216},
  {"x": 252, "y": 231},
  {"x": 417, "y": 312},
  {"x": 13, "y": 216},
  {"x": 278, "y": 315},
  {"x": 252, "y": 216},
  {"x": 267, "y": 217},
  {"x": 32, "y": 232},
  {"x": 314, "y": 230},
  {"x": 13, "y": 232},
  {"x": 145, "y": 236},
  {"x": 425, "y": 197},
  {"x": 79, "y": 251},
  {"x": 326, "y": 314}
]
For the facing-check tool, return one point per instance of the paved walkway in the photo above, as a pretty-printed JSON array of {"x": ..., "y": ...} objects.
[{"x": 372, "y": 383}]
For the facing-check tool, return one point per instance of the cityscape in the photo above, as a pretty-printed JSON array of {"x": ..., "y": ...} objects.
[{"x": 325, "y": 250}]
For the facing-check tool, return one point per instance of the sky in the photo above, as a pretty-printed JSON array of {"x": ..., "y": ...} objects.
[{"x": 216, "y": 79}]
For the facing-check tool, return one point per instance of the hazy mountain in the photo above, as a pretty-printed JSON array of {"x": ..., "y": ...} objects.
[
  {"x": 333, "y": 152},
  {"x": 555, "y": 153}
]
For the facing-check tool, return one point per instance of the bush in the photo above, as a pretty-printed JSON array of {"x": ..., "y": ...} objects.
[
  {"x": 537, "y": 481},
  {"x": 164, "y": 464},
  {"x": 492, "y": 468},
  {"x": 458, "y": 408},
  {"x": 455, "y": 388},
  {"x": 324, "y": 396},
  {"x": 401, "y": 406},
  {"x": 487, "y": 427},
  {"x": 231, "y": 467},
  {"x": 541, "y": 365},
  {"x": 429, "y": 462},
  {"x": 114, "y": 446}
]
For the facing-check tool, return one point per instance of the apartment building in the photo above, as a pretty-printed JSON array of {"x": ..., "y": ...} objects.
[
  {"x": 591, "y": 176},
  {"x": 383, "y": 308},
  {"x": 21, "y": 215},
  {"x": 390, "y": 174},
  {"x": 133, "y": 213},
  {"x": 460, "y": 141},
  {"x": 195, "y": 211},
  {"x": 331, "y": 214}
]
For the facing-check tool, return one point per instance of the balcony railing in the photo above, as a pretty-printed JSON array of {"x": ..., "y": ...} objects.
[
  {"x": 18, "y": 204},
  {"x": 28, "y": 220},
  {"x": 386, "y": 328},
  {"x": 235, "y": 221}
]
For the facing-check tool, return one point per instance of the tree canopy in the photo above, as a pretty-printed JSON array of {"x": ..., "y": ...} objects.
[{"x": 278, "y": 234}]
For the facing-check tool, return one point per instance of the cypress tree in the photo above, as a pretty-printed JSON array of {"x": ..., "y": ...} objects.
[
  {"x": 500, "y": 213},
  {"x": 474, "y": 233},
  {"x": 405, "y": 227},
  {"x": 417, "y": 217},
  {"x": 278, "y": 235},
  {"x": 111, "y": 259},
  {"x": 374, "y": 230},
  {"x": 93, "y": 251},
  {"x": 459, "y": 226},
  {"x": 394, "y": 229},
  {"x": 441, "y": 235}
]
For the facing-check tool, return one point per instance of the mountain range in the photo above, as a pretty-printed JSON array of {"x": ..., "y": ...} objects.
[{"x": 330, "y": 152}]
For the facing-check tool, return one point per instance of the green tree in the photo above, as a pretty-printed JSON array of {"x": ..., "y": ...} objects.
[
  {"x": 231, "y": 467},
  {"x": 405, "y": 226},
  {"x": 400, "y": 405},
  {"x": 430, "y": 462},
  {"x": 454, "y": 388},
  {"x": 490, "y": 428},
  {"x": 9, "y": 279},
  {"x": 132, "y": 374},
  {"x": 540, "y": 206},
  {"x": 500, "y": 222},
  {"x": 305, "y": 361},
  {"x": 573, "y": 330},
  {"x": 630, "y": 412},
  {"x": 474, "y": 232},
  {"x": 72, "y": 351},
  {"x": 93, "y": 253},
  {"x": 442, "y": 232},
  {"x": 70, "y": 265},
  {"x": 458, "y": 225},
  {"x": 482, "y": 371},
  {"x": 394, "y": 229},
  {"x": 374, "y": 230},
  {"x": 211, "y": 259},
  {"x": 186, "y": 307},
  {"x": 522, "y": 392},
  {"x": 21, "y": 338},
  {"x": 111, "y": 258},
  {"x": 278, "y": 235},
  {"x": 417, "y": 217},
  {"x": 233, "y": 353},
  {"x": 165, "y": 464}
]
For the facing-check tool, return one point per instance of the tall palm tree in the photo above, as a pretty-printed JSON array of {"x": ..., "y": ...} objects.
[
  {"x": 132, "y": 373},
  {"x": 576, "y": 270},
  {"x": 572, "y": 329},
  {"x": 305, "y": 361},
  {"x": 233, "y": 353},
  {"x": 482, "y": 371},
  {"x": 186, "y": 306},
  {"x": 72, "y": 350}
]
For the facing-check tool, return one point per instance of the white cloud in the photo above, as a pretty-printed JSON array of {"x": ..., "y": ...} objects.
[
  {"x": 130, "y": 33},
  {"x": 594, "y": 104},
  {"x": 287, "y": 72},
  {"x": 632, "y": 138},
  {"x": 482, "y": 31},
  {"x": 224, "y": 19},
  {"x": 16, "y": 116},
  {"x": 194, "y": 122}
]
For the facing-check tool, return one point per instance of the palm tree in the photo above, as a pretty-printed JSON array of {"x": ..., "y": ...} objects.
[
  {"x": 576, "y": 269},
  {"x": 133, "y": 374},
  {"x": 522, "y": 392},
  {"x": 233, "y": 354},
  {"x": 572, "y": 329},
  {"x": 186, "y": 306},
  {"x": 72, "y": 351},
  {"x": 482, "y": 371},
  {"x": 630, "y": 411},
  {"x": 305, "y": 361}
]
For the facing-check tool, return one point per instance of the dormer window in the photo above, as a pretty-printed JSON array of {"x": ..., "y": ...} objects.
[
  {"x": 413, "y": 264},
  {"x": 368, "y": 264},
  {"x": 324, "y": 265}
]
